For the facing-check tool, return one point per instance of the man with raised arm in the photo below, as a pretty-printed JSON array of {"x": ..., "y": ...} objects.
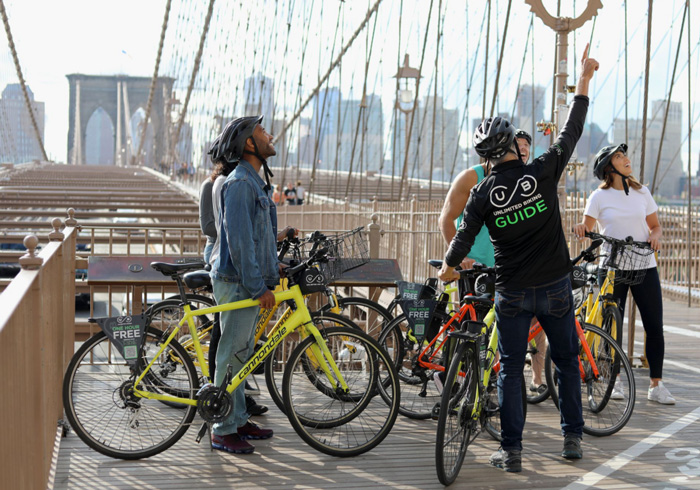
[{"x": 519, "y": 205}]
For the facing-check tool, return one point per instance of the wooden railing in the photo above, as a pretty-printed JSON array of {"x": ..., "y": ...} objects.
[{"x": 37, "y": 312}]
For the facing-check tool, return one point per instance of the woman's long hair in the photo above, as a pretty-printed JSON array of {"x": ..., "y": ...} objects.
[
  {"x": 221, "y": 168},
  {"x": 608, "y": 182}
]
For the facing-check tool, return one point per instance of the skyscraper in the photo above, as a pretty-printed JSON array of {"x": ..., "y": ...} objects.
[
  {"x": 18, "y": 141},
  {"x": 670, "y": 168},
  {"x": 259, "y": 93}
]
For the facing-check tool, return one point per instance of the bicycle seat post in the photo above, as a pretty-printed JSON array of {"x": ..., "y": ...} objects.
[{"x": 181, "y": 288}]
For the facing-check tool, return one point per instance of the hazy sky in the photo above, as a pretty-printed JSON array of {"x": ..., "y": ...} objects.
[{"x": 55, "y": 38}]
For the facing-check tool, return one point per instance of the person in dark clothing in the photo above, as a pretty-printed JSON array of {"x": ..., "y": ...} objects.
[{"x": 519, "y": 205}]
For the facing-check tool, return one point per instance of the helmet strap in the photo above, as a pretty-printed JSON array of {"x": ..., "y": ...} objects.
[
  {"x": 624, "y": 180},
  {"x": 266, "y": 170}
]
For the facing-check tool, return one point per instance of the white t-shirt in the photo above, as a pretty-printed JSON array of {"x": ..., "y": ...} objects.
[
  {"x": 216, "y": 207},
  {"x": 620, "y": 215},
  {"x": 301, "y": 192}
]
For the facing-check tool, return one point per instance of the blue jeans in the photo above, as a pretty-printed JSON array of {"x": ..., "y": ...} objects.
[
  {"x": 553, "y": 305},
  {"x": 235, "y": 348}
]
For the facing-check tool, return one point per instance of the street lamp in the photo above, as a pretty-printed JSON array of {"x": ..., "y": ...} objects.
[{"x": 408, "y": 79}]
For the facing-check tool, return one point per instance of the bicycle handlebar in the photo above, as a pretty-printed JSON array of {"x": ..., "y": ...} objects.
[{"x": 616, "y": 242}]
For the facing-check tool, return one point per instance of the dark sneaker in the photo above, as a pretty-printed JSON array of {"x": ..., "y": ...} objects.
[
  {"x": 253, "y": 407},
  {"x": 232, "y": 443},
  {"x": 538, "y": 389},
  {"x": 511, "y": 461},
  {"x": 572, "y": 447},
  {"x": 253, "y": 431}
]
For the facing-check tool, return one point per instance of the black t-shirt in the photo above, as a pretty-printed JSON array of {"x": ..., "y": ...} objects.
[{"x": 519, "y": 205}]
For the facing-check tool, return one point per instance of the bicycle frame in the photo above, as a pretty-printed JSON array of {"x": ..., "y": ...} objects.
[
  {"x": 591, "y": 310},
  {"x": 291, "y": 320}
]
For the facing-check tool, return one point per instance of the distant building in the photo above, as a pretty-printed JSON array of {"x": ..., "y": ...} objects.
[
  {"x": 670, "y": 172},
  {"x": 18, "y": 143},
  {"x": 259, "y": 93}
]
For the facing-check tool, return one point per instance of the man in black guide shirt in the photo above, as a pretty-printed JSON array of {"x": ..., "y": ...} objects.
[{"x": 519, "y": 205}]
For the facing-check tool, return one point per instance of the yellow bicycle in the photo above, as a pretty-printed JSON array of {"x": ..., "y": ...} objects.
[{"x": 342, "y": 401}]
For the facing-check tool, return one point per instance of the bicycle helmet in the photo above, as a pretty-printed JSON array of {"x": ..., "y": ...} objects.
[
  {"x": 494, "y": 138},
  {"x": 229, "y": 146},
  {"x": 602, "y": 161},
  {"x": 485, "y": 284},
  {"x": 520, "y": 133}
]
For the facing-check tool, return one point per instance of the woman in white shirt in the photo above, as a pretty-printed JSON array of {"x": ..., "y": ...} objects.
[{"x": 624, "y": 207}]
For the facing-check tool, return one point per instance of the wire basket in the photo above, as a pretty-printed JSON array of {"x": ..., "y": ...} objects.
[
  {"x": 346, "y": 251},
  {"x": 630, "y": 263}
]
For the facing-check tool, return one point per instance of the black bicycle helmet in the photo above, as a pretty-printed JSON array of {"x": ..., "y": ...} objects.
[
  {"x": 493, "y": 138},
  {"x": 520, "y": 133},
  {"x": 229, "y": 146},
  {"x": 602, "y": 159},
  {"x": 485, "y": 284},
  {"x": 602, "y": 162}
]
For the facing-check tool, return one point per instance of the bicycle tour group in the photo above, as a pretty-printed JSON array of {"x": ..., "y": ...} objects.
[{"x": 501, "y": 218}]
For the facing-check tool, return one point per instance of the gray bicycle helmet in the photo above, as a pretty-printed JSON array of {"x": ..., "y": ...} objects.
[
  {"x": 521, "y": 133},
  {"x": 493, "y": 138}
]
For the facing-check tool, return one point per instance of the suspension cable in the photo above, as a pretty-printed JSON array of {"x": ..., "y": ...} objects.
[{"x": 15, "y": 58}]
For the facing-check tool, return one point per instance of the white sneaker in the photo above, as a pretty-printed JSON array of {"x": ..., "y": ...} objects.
[
  {"x": 618, "y": 392},
  {"x": 661, "y": 395},
  {"x": 438, "y": 381}
]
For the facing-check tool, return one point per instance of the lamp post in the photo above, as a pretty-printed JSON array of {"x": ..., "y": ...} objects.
[
  {"x": 562, "y": 26},
  {"x": 408, "y": 79}
]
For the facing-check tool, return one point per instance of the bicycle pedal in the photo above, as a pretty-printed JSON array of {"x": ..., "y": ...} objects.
[
  {"x": 435, "y": 412},
  {"x": 201, "y": 433}
]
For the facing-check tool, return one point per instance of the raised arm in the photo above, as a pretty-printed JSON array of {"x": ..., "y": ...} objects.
[{"x": 455, "y": 202}]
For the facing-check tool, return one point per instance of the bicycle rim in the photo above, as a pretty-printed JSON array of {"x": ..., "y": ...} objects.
[
  {"x": 277, "y": 360},
  {"x": 369, "y": 315},
  {"x": 419, "y": 390},
  {"x": 603, "y": 413},
  {"x": 116, "y": 425},
  {"x": 336, "y": 422},
  {"x": 457, "y": 420}
]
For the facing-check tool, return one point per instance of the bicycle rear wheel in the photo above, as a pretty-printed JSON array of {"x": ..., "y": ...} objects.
[
  {"x": 334, "y": 421},
  {"x": 107, "y": 417},
  {"x": 458, "y": 419},
  {"x": 277, "y": 360},
  {"x": 492, "y": 425},
  {"x": 612, "y": 322},
  {"x": 369, "y": 315},
  {"x": 604, "y": 413},
  {"x": 419, "y": 390}
]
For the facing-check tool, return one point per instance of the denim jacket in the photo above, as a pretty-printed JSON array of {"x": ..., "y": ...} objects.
[{"x": 248, "y": 241}]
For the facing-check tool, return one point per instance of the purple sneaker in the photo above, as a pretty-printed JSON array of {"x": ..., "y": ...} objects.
[
  {"x": 232, "y": 443},
  {"x": 253, "y": 431}
]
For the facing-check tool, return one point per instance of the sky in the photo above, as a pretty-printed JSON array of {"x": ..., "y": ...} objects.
[{"x": 99, "y": 37}]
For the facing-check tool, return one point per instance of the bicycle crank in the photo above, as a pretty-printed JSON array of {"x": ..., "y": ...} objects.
[{"x": 214, "y": 404}]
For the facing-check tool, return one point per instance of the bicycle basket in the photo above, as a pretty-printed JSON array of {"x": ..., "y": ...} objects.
[
  {"x": 350, "y": 248},
  {"x": 630, "y": 263}
]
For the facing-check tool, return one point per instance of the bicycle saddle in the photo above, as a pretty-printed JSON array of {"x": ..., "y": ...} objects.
[
  {"x": 175, "y": 269},
  {"x": 197, "y": 279},
  {"x": 435, "y": 263},
  {"x": 484, "y": 301}
]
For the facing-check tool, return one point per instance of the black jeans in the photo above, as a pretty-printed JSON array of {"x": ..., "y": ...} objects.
[{"x": 647, "y": 295}]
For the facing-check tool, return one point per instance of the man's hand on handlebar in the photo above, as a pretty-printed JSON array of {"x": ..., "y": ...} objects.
[
  {"x": 287, "y": 232},
  {"x": 580, "y": 230},
  {"x": 467, "y": 263},
  {"x": 447, "y": 273},
  {"x": 283, "y": 269},
  {"x": 267, "y": 300}
]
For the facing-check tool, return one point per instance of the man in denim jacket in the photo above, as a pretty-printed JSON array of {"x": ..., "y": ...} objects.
[{"x": 247, "y": 266}]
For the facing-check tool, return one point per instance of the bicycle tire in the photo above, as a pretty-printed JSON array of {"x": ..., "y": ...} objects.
[
  {"x": 612, "y": 322},
  {"x": 603, "y": 415},
  {"x": 342, "y": 424},
  {"x": 275, "y": 361},
  {"x": 369, "y": 315},
  {"x": 419, "y": 391},
  {"x": 99, "y": 413},
  {"x": 492, "y": 423},
  {"x": 457, "y": 420}
]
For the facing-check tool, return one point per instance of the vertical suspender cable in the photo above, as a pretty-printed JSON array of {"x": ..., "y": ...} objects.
[
  {"x": 195, "y": 69},
  {"x": 153, "y": 81},
  {"x": 486, "y": 61},
  {"x": 435, "y": 91},
  {"x": 500, "y": 58},
  {"x": 646, "y": 93},
  {"x": 626, "y": 92},
  {"x": 37, "y": 133},
  {"x": 690, "y": 157},
  {"x": 552, "y": 135},
  {"x": 668, "y": 101}
]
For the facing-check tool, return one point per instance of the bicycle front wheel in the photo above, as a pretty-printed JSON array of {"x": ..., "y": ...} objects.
[
  {"x": 419, "y": 387},
  {"x": 607, "y": 383},
  {"x": 459, "y": 416},
  {"x": 277, "y": 359},
  {"x": 333, "y": 420},
  {"x": 108, "y": 417},
  {"x": 369, "y": 315}
]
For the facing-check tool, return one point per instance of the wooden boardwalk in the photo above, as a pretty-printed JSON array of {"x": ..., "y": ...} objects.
[{"x": 659, "y": 448}]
